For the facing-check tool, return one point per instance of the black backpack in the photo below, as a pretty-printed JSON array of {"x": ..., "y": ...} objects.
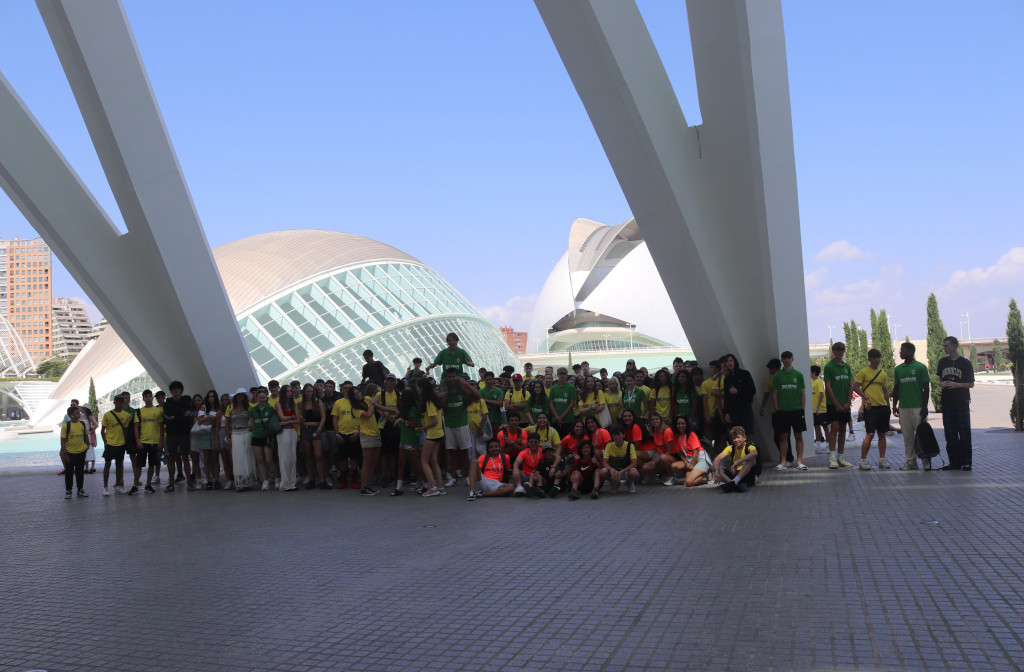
[{"x": 926, "y": 446}]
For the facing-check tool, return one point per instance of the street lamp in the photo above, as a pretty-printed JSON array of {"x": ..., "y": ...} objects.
[
  {"x": 968, "y": 316},
  {"x": 630, "y": 335},
  {"x": 830, "y": 328}
]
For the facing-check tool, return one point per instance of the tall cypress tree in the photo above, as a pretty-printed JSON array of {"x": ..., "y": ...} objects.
[
  {"x": 92, "y": 397},
  {"x": 862, "y": 349},
  {"x": 848, "y": 334},
  {"x": 997, "y": 354},
  {"x": 936, "y": 332},
  {"x": 882, "y": 340},
  {"x": 1015, "y": 339},
  {"x": 974, "y": 356}
]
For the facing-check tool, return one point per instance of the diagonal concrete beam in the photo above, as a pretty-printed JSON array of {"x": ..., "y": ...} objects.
[
  {"x": 157, "y": 284},
  {"x": 717, "y": 204}
]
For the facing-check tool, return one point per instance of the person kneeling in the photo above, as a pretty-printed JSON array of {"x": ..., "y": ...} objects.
[
  {"x": 735, "y": 464},
  {"x": 487, "y": 473},
  {"x": 619, "y": 462},
  {"x": 584, "y": 470},
  {"x": 524, "y": 471}
]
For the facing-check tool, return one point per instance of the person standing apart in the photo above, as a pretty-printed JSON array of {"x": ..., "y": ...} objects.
[
  {"x": 910, "y": 390},
  {"x": 956, "y": 378},
  {"x": 73, "y": 447}
]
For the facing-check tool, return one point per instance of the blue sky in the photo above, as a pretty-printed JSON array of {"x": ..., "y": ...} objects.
[{"x": 451, "y": 131}]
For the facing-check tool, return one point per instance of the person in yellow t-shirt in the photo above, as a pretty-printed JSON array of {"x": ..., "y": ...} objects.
[
  {"x": 872, "y": 384},
  {"x": 115, "y": 424},
  {"x": 73, "y": 447},
  {"x": 347, "y": 439},
  {"x": 149, "y": 438},
  {"x": 432, "y": 423},
  {"x": 818, "y": 409},
  {"x": 735, "y": 465}
]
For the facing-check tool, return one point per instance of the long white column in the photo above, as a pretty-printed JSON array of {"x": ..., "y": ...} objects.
[
  {"x": 158, "y": 284},
  {"x": 717, "y": 203}
]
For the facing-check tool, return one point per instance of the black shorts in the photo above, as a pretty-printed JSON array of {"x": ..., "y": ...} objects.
[
  {"x": 348, "y": 447},
  {"x": 784, "y": 421},
  {"x": 258, "y": 441},
  {"x": 115, "y": 453},
  {"x": 148, "y": 451},
  {"x": 820, "y": 419},
  {"x": 832, "y": 415},
  {"x": 876, "y": 419},
  {"x": 176, "y": 445}
]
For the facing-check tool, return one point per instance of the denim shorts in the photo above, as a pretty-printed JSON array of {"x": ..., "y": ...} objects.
[{"x": 308, "y": 433}]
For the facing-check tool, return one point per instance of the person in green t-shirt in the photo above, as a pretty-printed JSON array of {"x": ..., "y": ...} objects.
[
  {"x": 789, "y": 399},
  {"x": 839, "y": 394},
  {"x": 633, "y": 398},
  {"x": 452, "y": 356},
  {"x": 562, "y": 400},
  {"x": 911, "y": 390},
  {"x": 456, "y": 395}
]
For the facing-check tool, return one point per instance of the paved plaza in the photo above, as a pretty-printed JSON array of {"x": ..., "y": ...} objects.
[{"x": 822, "y": 570}]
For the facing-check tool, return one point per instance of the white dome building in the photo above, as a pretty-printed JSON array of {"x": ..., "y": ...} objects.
[
  {"x": 308, "y": 303},
  {"x": 605, "y": 293}
]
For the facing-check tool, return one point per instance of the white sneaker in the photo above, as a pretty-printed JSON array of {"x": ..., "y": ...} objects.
[
  {"x": 883, "y": 463},
  {"x": 907, "y": 466},
  {"x": 833, "y": 463},
  {"x": 230, "y": 485},
  {"x": 277, "y": 484},
  {"x": 631, "y": 488},
  {"x": 266, "y": 486},
  {"x": 864, "y": 466},
  {"x": 843, "y": 462},
  {"x": 450, "y": 482},
  {"x": 156, "y": 481},
  {"x": 668, "y": 480},
  {"x": 820, "y": 448},
  {"x": 467, "y": 481},
  {"x": 106, "y": 492},
  {"x": 520, "y": 491},
  {"x": 779, "y": 467}
]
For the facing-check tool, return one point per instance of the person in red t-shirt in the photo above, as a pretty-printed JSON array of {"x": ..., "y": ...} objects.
[
  {"x": 687, "y": 458},
  {"x": 597, "y": 435},
  {"x": 488, "y": 473},
  {"x": 584, "y": 470},
  {"x": 658, "y": 445},
  {"x": 512, "y": 438},
  {"x": 524, "y": 471}
]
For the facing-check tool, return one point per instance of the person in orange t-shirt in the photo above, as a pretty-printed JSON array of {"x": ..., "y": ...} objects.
[{"x": 488, "y": 473}]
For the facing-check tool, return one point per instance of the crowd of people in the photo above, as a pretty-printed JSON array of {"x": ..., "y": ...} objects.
[{"x": 540, "y": 434}]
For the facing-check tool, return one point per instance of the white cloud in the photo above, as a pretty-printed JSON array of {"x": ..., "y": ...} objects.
[
  {"x": 515, "y": 312},
  {"x": 1007, "y": 270},
  {"x": 841, "y": 250},
  {"x": 859, "y": 293},
  {"x": 814, "y": 279}
]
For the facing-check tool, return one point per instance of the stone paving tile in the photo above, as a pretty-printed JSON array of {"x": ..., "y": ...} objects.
[{"x": 821, "y": 570}]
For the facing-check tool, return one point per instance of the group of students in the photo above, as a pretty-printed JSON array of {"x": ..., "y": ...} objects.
[{"x": 518, "y": 434}]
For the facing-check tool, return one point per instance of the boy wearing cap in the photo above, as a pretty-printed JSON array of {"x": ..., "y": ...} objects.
[
  {"x": 488, "y": 473},
  {"x": 517, "y": 398}
]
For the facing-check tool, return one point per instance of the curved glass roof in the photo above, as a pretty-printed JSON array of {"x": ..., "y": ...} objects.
[{"x": 398, "y": 309}]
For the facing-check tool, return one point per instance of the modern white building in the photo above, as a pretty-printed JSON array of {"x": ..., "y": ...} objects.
[
  {"x": 605, "y": 293},
  {"x": 308, "y": 303}
]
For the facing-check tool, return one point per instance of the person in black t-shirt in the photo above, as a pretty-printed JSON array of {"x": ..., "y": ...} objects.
[
  {"x": 956, "y": 378},
  {"x": 373, "y": 371},
  {"x": 738, "y": 393}
]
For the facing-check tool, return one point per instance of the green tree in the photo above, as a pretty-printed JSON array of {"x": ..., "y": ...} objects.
[
  {"x": 848, "y": 337},
  {"x": 52, "y": 368},
  {"x": 881, "y": 339},
  {"x": 997, "y": 355},
  {"x": 974, "y": 356},
  {"x": 1015, "y": 339},
  {"x": 92, "y": 396},
  {"x": 936, "y": 332},
  {"x": 907, "y": 339},
  {"x": 862, "y": 349}
]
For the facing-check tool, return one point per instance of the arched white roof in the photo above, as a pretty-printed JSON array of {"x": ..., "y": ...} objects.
[
  {"x": 251, "y": 269},
  {"x": 259, "y": 266}
]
